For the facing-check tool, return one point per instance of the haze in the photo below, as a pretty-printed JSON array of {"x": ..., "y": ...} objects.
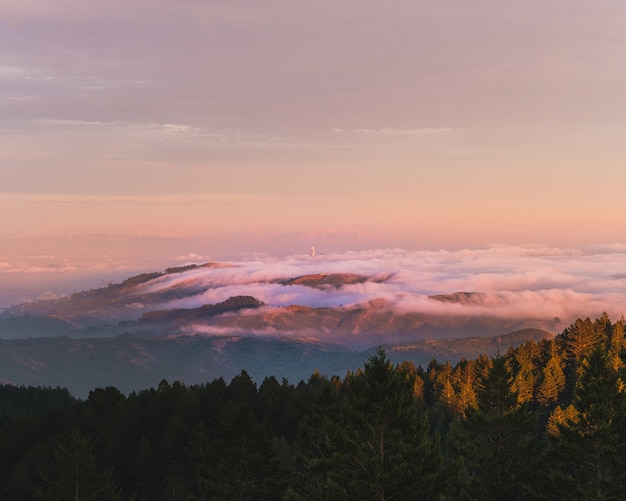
[{"x": 136, "y": 135}]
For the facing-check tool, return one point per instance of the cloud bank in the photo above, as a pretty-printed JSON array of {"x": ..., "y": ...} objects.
[{"x": 551, "y": 285}]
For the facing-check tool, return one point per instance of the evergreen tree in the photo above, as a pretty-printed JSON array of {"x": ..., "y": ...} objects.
[
  {"x": 552, "y": 382},
  {"x": 603, "y": 327},
  {"x": 525, "y": 377},
  {"x": 144, "y": 464},
  {"x": 560, "y": 418},
  {"x": 616, "y": 346},
  {"x": 465, "y": 375},
  {"x": 499, "y": 444},
  {"x": 447, "y": 394},
  {"x": 238, "y": 463},
  {"x": 592, "y": 443},
  {"x": 581, "y": 337},
  {"x": 374, "y": 444},
  {"x": 412, "y": 373},
  {"x": 173, "y": 467},
  {"x": 242, "y": 389},
  {"x": 74, "y": 474}
]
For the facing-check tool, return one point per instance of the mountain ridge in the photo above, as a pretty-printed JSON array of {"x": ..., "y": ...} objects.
[
  {"x": 132, "y": 363},
  {"x": 197, "y": 322}
]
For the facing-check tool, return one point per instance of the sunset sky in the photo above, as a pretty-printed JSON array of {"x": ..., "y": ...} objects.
[{"x": 157, "y": 131}]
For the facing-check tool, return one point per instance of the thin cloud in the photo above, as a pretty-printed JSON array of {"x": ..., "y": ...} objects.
[
  {"x": 192, "y": 257},
  {"x": 416, "y": 133}
]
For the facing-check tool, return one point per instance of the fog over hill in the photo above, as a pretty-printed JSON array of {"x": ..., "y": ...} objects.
[
  {"x": 358, "y": 309},
  {"x": 317, "y": 309},
  {"x": 514, "y": 286}
]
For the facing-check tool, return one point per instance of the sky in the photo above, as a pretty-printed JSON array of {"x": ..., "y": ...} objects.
[{"x": 135, "y": 133}]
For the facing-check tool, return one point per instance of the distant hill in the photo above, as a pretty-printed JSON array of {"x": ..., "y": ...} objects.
[
  {"x": 164, "y": 325},
  {"x": 130, "y": 363},
  {"x": 452, "y": 350},
  {"x": 322, "y": 280}
]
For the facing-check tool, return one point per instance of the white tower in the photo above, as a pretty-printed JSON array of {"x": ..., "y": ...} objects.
[{"x": 312, "y": 250}]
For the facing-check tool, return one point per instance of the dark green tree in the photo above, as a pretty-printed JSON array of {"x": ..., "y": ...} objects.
[
  {"x": 174, "y": 470},
  {"x": 591, "y": 443},
  {"x": 238, "y": 462},
  {"x": 144, "y": 464},
  {"x": 499, "y": 444},
  {"x": 73, "y": 473},
  {"x": 373, "y": 443}
]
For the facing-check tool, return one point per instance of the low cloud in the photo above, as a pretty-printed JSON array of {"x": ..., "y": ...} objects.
[
  {"x": 509, "y": 282},
  {"x": 505, "y": 282}
]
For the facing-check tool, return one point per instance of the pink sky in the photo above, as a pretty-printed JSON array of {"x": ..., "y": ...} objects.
[{"x": 237, "y": 126}]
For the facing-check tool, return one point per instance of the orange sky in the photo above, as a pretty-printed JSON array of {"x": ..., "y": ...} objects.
[{"x": 422, "y": 125}]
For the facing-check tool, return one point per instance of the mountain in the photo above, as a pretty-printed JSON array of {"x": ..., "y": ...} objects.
[
  {"x": 199, "y": 322},
  {"x": 452, "y": 350},
  {"x": 131, "y": 364}
]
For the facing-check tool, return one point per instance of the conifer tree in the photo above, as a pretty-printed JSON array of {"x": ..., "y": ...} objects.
[
  {"x": 237, "y": 463},
  {"x": 592, "y": 443},
  {"x": 375, "y": 444},
  {"x": 143, "y": 467},
  {"x": 74, "y": 475},
  {"x": 603, "y": 327},
  {"x": 581, "y": 337},
  {"x": 616, "y": 345},
  {"x": 447, "y": 394},
  {"x": 498, "y": 444},
  {"x": 466, "y": 397},
  {"x": 552, "y": 382},
  {"x": 559, "y": 418},
  {"x": 525, "y": 375}
]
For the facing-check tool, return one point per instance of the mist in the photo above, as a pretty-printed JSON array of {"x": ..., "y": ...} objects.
[
  {"x": 531, "y": 282},
  {"x": 551, "y": 285}
]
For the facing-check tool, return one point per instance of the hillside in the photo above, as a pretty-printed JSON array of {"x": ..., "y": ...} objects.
[
  {"x": 132, "y": 363},
  {"x": 356, "y": 309},
  {"x": 199, "y": 322}
]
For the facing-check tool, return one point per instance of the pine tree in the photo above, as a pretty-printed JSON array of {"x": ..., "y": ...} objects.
[
  {"x": 560, "y": 418},
  {"x": 374, "y": 442},
  {"x": 238, "y": 463},
  {"x": 581, "y": 337},
  {"x": 592, "y": 444},
  {"x": 442, "y": 381},
  {"x": 498, "y": 444},
  {"x": 552, "y": 382},
  {"x": 447, "y": 394},
  {"x": 143, "y": 467},
  {"x": 465, "y": 375},
  {"x": 525, "y": 377},
  {"x": 74, "y": 474},
  {"x": 616, "y": 345},
  {"x": 603, "y": 327}
]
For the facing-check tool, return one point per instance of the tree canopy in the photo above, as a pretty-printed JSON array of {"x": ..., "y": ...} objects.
[{"x": 543, "y": 421}]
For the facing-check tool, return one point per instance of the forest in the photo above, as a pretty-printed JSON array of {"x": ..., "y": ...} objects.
[{"x": 542, "y": 421}]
